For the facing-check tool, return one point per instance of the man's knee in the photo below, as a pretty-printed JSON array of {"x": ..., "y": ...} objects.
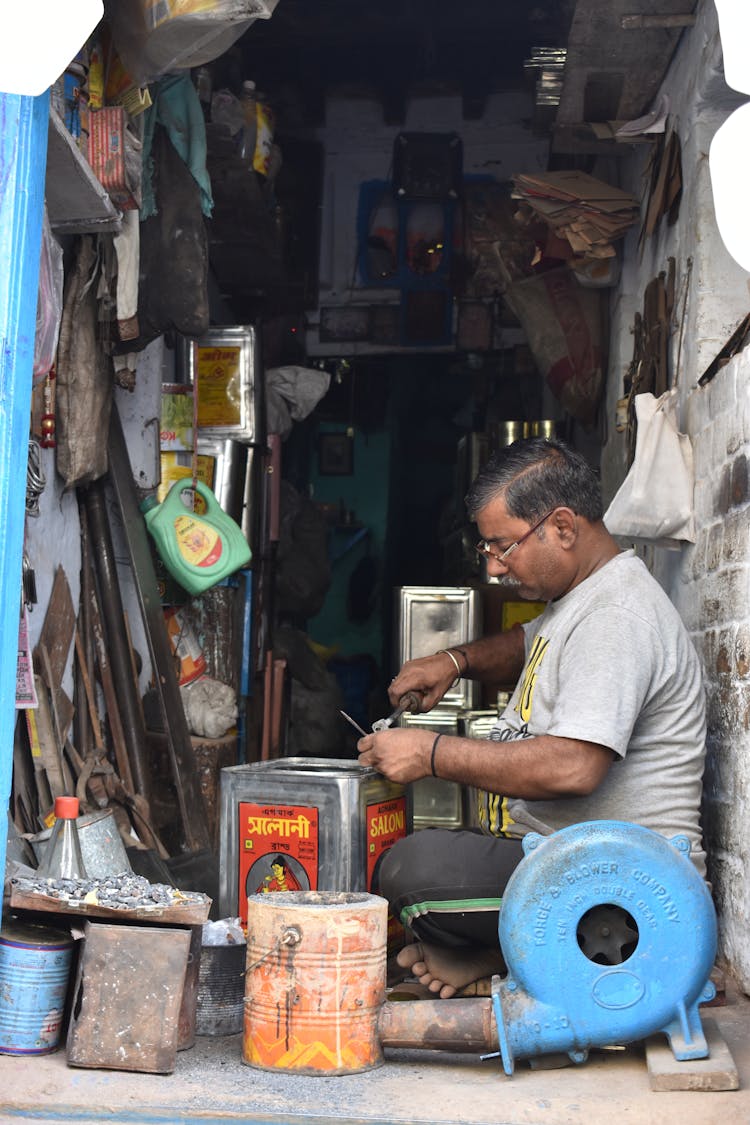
[
  {"x": 416, "y": 861},
  {"x": 396, "y": 863}
]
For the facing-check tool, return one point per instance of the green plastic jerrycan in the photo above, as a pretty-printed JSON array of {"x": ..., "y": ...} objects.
[{"x": 198, "y": 549}]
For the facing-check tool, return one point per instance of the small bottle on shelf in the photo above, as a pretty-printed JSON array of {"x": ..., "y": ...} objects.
[
  {"x": 265, "y": 125},
  {"x": 62, "y": 858}
]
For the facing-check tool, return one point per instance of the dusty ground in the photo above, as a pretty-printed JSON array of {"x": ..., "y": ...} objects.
[{"x": 211, "y": 1083}]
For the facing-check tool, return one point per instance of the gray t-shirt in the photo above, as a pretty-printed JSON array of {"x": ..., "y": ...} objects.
[{"x": 611, "y": 662}]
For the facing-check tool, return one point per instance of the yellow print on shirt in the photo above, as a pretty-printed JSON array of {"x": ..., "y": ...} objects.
[
  {"x": 494, "y": 818},
  {"x": 538, "y": 649}
]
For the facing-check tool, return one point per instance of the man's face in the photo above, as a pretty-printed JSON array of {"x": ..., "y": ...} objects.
[{"x": 536, "y": 567}]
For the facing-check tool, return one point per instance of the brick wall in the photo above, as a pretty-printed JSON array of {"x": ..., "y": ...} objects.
[
  {"x": 715, "y": 600},
  {"x": 709, "y": 581}
]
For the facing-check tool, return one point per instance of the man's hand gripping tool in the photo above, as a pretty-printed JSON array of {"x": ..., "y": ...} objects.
[{"x": 409, "y": 702}]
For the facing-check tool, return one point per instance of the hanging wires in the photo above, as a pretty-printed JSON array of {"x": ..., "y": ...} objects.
[{"x": 35, "y": 478}]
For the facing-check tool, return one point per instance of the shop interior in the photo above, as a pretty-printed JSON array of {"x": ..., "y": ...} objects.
[{"x": 343, "y": 297}]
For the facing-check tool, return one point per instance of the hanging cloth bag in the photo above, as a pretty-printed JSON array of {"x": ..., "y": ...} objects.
[{"x": 655, "y": 501}]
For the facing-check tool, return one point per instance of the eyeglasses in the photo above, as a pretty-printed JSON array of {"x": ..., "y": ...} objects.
[{"x": 484, "y": 548}]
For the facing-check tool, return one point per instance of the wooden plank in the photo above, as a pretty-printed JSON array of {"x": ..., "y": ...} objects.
[
  {"x": 44, "y": 796},
  {"x": 717, "y": 1072},
  {"x": 58, "y": 628},
  {"x": 190, "y": 911},
  {"x": 49, "y": 751},
  {"x": 25, "y": 797},
  {"x": 60, "y": 724}
]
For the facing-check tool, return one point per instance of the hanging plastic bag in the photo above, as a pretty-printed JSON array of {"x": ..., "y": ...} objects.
[
  {"x": 655, "y": 501},
  {"x": 49, "y": 302},
  {"x": 562, "y": 321},
  {"x": 154, "y": 38}
]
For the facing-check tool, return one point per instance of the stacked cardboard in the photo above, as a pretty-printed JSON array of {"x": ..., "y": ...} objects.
[{"x": 588, "y": 213}]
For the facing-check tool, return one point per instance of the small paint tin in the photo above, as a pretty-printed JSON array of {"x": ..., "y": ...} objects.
[{"x": 35, "y": 964}]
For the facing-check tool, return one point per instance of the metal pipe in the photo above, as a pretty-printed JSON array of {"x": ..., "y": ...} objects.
[
  {"x": 182, "y": 756},
  {"x": 117, "y": 644},
  {"x": 455, "y": 1025}
]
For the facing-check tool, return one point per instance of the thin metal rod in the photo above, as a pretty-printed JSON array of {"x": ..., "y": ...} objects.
[{"x": 356, "y": 726}]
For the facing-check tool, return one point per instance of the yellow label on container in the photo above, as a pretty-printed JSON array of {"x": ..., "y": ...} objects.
[
  {"x": 179, "y": 466},
  {"x": 518, "y": 613},
  {"x": 219, "y": 384},
  {"x": 176, "y": 432},
  {"x": 36, "y": 750},
  {"x": 198, "y": 542}
]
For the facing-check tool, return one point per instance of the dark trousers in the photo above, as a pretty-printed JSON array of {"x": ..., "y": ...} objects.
[{"x": 446, "y": 885}]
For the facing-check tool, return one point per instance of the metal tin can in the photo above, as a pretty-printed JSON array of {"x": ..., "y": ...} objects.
[
  {"x": 435, "y": 617},
  {"x": 221, "y": 990},
  {"x": 315, "y": 982},
  {"x": 304, "y": 824},
  {"x": 34, "y": 971}
]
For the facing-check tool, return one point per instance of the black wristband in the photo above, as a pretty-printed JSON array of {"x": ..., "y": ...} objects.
[{"x": 432, "y": 755}]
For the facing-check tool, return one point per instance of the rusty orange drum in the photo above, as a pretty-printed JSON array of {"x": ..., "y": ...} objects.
[{"x": 314, "y": 981}]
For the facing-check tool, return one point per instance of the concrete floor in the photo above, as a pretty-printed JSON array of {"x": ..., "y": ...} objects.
[{"x": 211, "y": 1084}]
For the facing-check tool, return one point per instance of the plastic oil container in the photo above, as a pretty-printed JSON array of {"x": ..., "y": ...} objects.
[{"x": 198, "y": 549}]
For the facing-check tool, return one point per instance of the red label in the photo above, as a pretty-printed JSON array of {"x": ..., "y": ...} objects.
[
  {"x": 278, "y": 850},
  {"x": 386, "y": 823}
]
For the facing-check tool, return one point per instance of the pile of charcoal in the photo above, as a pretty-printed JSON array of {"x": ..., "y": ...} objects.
[{"x": 118, "y": 892}]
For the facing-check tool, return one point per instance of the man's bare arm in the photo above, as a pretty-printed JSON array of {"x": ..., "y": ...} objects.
[
  {"x": 498, "y": 659},
  {"x": 532, "y": 768}
]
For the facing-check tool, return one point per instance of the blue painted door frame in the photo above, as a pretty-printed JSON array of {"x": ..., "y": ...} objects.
[{"x": 23, "y": 158}]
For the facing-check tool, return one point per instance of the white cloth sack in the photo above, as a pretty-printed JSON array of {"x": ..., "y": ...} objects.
[
  {"x": 655, "y": 501},
  {"x": 291, "y": 394},
  {"x": 210, "y": 707}
]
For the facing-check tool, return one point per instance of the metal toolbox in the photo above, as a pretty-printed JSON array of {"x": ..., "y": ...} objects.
[
  {"x": 304, "y": 824},
  {"x": 433, "y": 617}
]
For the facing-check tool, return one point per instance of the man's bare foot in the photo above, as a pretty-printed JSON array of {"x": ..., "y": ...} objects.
[{"x": 446, "y": 971}]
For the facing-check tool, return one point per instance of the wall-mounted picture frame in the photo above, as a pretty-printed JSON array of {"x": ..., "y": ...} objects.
[{"x": 335, "y": 454}]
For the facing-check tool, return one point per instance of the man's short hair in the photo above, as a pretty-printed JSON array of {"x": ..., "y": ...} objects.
[{"x": 533, "y": 477}]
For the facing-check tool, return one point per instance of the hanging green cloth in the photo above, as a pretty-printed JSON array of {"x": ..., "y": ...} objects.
[{"x": 177, "y": 108}]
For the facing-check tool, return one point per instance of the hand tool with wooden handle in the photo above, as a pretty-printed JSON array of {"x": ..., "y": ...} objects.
[{"x": 408, "y": 702}]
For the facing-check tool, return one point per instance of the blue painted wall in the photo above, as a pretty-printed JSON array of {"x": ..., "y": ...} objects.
[{"x": 23, "y": 156}]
